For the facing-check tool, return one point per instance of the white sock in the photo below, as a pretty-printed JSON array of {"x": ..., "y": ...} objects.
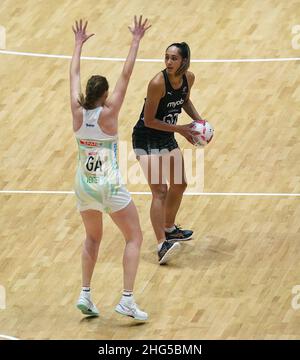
[
  {"x": 127, "y": 295},
  {"x": 86, "y": 291},
  {"x": 169, "y": 230}
]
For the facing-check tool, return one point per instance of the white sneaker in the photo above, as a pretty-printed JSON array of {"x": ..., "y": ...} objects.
[
  {"x": 130, "y": 308},
  {"x": 86, "y": 306}
]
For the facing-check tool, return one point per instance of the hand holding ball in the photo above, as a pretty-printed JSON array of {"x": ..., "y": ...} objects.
[{"x": 206, "y": 132}]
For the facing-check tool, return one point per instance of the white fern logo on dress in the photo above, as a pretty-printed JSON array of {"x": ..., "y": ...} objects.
[
  {"x": 2, "y": 298},
  {"x": 296, "y": 38},
  {"x": 2, "y": 38},
  {"x": 296, "y": 299}
]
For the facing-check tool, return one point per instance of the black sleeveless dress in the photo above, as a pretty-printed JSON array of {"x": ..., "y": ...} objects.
[{"x": 147, "y": 141}]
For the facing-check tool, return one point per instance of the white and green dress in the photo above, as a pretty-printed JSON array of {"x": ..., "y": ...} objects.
[{"x": 98, "y": 183}]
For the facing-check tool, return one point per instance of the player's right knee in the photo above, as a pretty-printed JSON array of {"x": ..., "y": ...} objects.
[
  {"x": 95, "y": 238},
  {"x": 160, "y": 192},
  {"x": 137, "y": 236}
]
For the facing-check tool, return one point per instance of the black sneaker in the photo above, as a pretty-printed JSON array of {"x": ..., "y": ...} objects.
[
  {"x": 179, "y": 235},
  {"x": 167, "y": 250}
]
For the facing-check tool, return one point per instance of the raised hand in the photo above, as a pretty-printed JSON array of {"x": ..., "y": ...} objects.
[
  {"x": 138, "y": 29},
  {"x": 80, "y": 35}
]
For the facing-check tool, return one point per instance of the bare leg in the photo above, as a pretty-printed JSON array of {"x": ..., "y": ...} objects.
[
  {"x": 152, "y": 168},
  {"x": 157, "y": 210},
  {"x": 127, "y": 221},
  {"x": 177, "y": 187},
  {"x": 156, "y": 169},
  {"x": 92, "y": 220}
]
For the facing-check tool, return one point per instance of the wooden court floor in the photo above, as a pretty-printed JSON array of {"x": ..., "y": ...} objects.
[{"x": 236, "y": 279}]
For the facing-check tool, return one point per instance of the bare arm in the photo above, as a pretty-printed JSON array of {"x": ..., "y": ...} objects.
[
  {"x": 80, "y": 38},
  {"x": 118, "y": 95},
  {"x": 188, "y": 106},
  {"x": 154, "y": 94}
]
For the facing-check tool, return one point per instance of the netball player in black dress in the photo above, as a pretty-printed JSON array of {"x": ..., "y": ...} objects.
[{"x": 157, "y": 150}]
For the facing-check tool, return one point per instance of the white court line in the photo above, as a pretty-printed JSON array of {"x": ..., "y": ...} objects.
[
  {"x": 8, "y": 337},
  {"x": 50, "y": 192},
  {"x": 20, "y": 53},
  {"x": 7, "y": 52},
  {"x": 226, "y": 194}
]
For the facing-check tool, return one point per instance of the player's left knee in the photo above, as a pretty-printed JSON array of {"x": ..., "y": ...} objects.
[{"x": 179, "y": 187}]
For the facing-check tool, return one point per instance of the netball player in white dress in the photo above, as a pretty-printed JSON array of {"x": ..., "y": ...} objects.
[{"x": 98, "y": 185}]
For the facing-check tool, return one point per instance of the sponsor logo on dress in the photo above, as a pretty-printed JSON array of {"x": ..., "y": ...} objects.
[
  {"x": 173, "y": 104},
  {"x": 89, "y": 142}
]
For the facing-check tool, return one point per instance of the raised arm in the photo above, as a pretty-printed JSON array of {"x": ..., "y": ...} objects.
[
  {"x": 116, "y": 99},
  {"x": 80, "y": 38}
]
